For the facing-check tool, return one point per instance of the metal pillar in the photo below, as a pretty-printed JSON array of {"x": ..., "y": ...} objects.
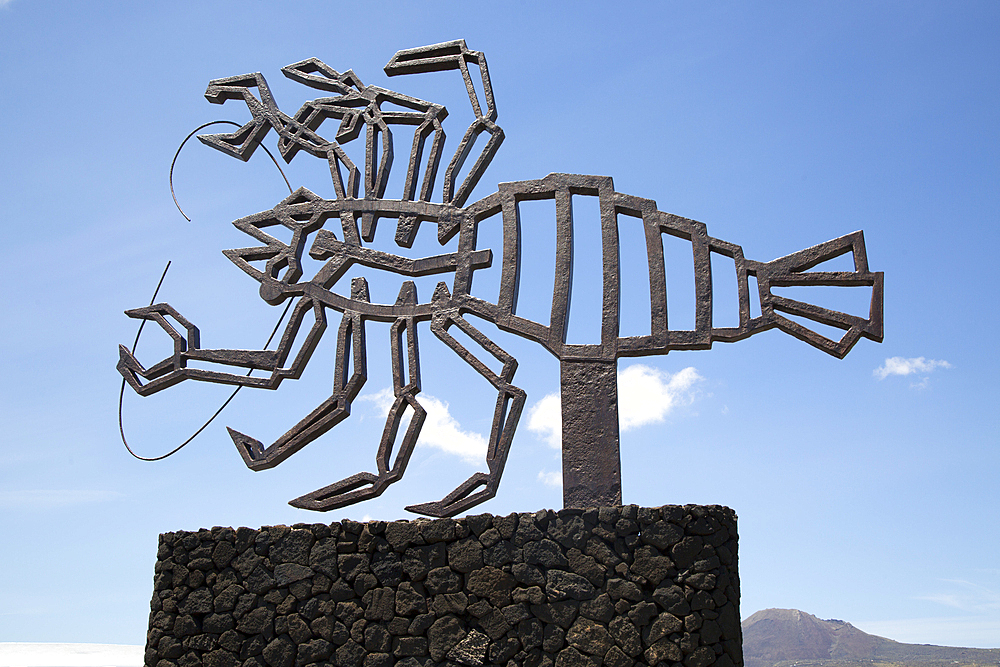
[{"x": 591, "y": 462}]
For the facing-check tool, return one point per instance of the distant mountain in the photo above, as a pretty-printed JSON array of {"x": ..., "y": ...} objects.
[{"x": 789, "y": 637}]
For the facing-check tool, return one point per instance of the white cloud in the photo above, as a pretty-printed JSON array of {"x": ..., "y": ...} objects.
[
  {"x": 443, "y": 432},
  {"x": 645, "y": 396},
  {"x": 440, "y": 429},
  {"x": 545, "y": 419},
  {"x": 967, "y": 596},
  {"x": 381, "y": 399},
  {"x": 903, "y": 366},
  {"x": 54, "y": 498},
  {"x": 550, "y": 478}
]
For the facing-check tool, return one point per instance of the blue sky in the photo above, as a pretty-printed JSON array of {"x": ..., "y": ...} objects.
[{"x": 866, "y": 488}]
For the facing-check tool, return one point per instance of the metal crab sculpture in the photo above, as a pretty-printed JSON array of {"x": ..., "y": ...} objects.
[{"x": 591, "y": 460}]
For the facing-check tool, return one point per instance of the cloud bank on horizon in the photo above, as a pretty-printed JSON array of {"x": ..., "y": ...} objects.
[{"x": 25, "y": 654}]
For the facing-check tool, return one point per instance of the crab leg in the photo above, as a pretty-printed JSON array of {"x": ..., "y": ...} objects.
[
  {"x": 331, "y": 412},
  {"x": 510, "y": 401},
  {"x": 406, "y": 386}
]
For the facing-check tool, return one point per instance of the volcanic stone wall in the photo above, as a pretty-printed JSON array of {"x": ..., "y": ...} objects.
[{"x": 611, "y": 586}]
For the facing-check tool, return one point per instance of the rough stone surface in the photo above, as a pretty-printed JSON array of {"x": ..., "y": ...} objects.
[
  {"x": 613, "y": 586},
  {"x": 589, "y": 637},
  {"x": 443, "y": 635},
  {"x": 470, "y": 651}
]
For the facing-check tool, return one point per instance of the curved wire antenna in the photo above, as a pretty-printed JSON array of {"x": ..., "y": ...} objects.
[
  {"x": 121, "y": 393},
  {"x": 195, "y": 130}
]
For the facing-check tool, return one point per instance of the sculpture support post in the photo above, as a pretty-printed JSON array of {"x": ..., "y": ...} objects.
[{"x": 591, "y": 463}]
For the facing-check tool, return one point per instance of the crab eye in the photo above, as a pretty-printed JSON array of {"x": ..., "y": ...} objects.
[{"x": 270, "y": 291}]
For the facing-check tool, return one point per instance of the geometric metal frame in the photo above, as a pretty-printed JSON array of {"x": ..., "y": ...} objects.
[{"x": 591, "y": 460}]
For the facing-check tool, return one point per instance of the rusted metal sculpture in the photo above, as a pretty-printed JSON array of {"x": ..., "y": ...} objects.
[{"x": 591, "y": 461}]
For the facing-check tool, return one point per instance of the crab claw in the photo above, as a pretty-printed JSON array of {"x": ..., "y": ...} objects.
[
  {"x": 130, "y": 368},
  {"x": 162, "y": 375},
  {"x": 251, "y": 449}
]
